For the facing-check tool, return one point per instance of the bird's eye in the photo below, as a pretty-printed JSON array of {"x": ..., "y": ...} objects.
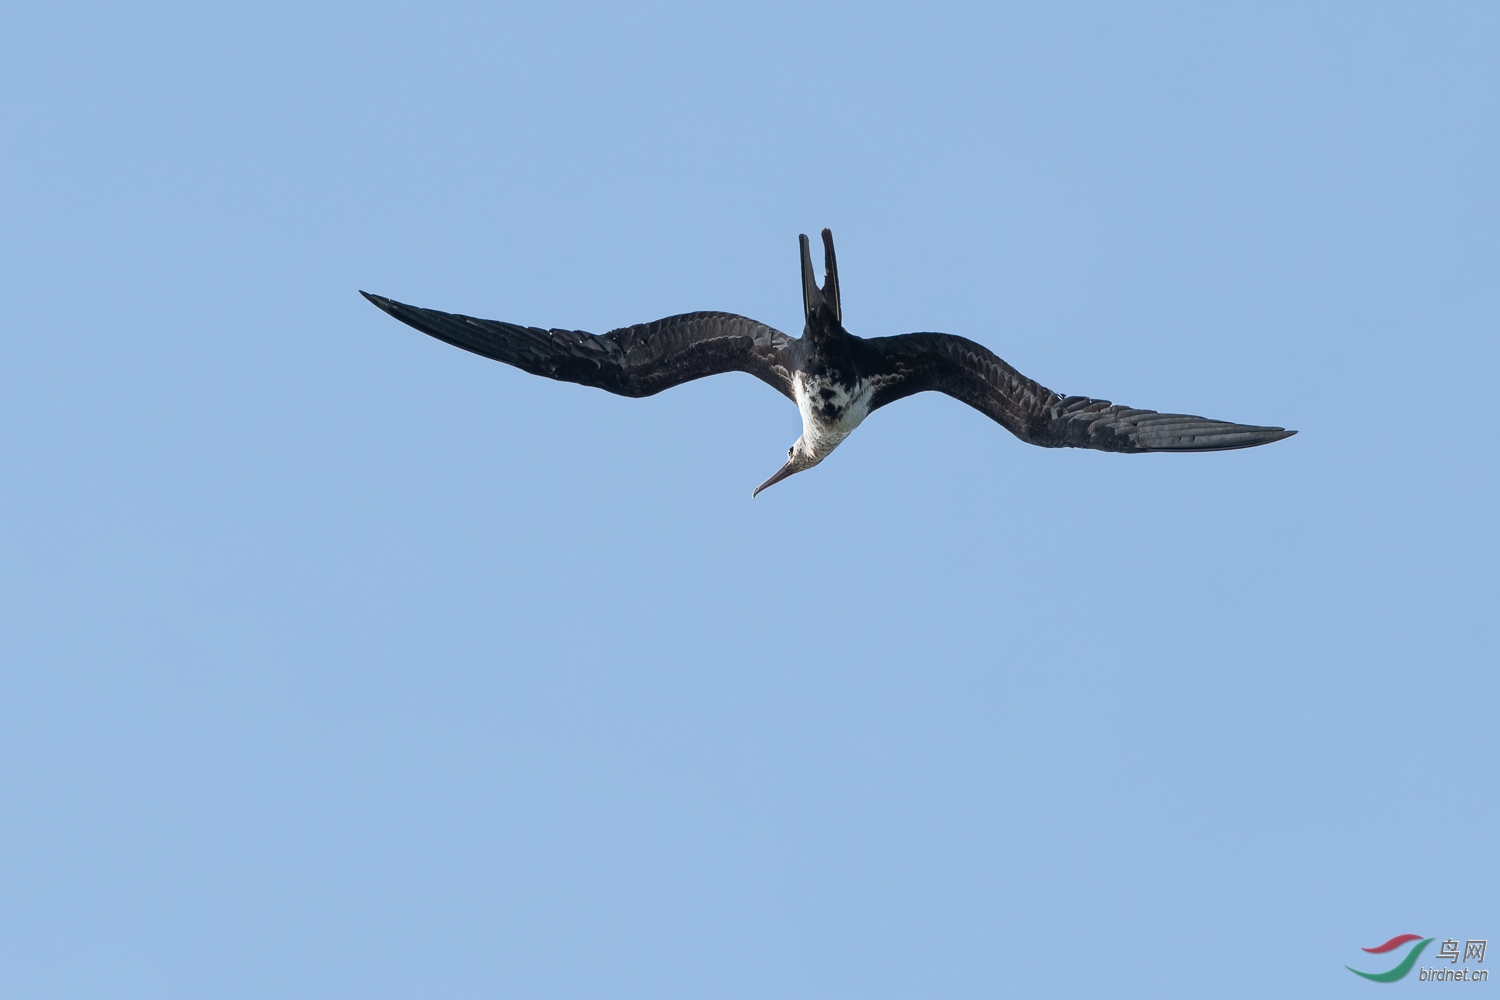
[{"x": 789, "y": 452}]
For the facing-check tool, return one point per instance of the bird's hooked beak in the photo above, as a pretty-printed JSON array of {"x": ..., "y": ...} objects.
[
  {"x": 794, "y": 463},
  {"x": 782, "y": 473}
]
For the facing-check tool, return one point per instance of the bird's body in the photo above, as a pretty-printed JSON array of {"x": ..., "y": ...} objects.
[
  {"x": 831, "y": 409},
  {"x": 835, "y": 378}
]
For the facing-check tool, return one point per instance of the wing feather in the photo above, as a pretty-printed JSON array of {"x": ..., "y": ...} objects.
[
  {"x": 639, "y": 360},
  {"x": 970, "y": 372}
]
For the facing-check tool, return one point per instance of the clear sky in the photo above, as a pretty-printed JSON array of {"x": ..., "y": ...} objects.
[{"x": 335, "y": 661}]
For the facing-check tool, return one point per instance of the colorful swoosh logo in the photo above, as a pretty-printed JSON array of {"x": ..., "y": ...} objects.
[
  {"x": 1394, "y": 942},
  {"x": 1406, "y": 963}
]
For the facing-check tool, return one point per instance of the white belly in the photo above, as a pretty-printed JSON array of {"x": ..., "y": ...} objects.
[{"x": 829, "y": 417}]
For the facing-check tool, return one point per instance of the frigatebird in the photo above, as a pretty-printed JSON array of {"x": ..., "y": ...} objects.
[{"x": 835, "y": 378}]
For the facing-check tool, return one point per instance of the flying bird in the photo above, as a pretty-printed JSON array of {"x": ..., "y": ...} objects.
[{"x": 836, "y": 378}]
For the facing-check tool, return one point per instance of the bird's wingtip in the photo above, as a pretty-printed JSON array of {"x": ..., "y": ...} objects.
[
  {"x": 1215, "y": 436},
  {"x": 385, "y": 305}
]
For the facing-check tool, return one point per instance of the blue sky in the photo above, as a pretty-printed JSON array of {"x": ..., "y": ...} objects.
[{"x": 338, "y": 662}]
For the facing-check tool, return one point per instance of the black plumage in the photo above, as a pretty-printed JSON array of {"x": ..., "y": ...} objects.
[
  {"x": 639, "y": 360},
  {"x": 835, "y": 377}
]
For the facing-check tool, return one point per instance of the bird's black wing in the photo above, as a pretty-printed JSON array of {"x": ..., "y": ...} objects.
[
  {"x": 938, "y": 362},
  {"x": 632, "y": 361}
]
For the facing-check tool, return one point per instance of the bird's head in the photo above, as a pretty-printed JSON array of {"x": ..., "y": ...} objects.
[{"x": 799, "y": 457}]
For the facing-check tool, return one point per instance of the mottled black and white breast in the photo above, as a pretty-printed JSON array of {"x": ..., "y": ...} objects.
[{"x": 831, "y": 408}]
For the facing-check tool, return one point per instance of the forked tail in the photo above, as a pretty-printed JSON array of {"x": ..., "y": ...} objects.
[{"x": 827, "y": 297}]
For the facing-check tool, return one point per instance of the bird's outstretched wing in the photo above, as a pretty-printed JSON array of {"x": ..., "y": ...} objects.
[
  {"x": 939, "y": 362},
  {"x": 633, "y": 361}
]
